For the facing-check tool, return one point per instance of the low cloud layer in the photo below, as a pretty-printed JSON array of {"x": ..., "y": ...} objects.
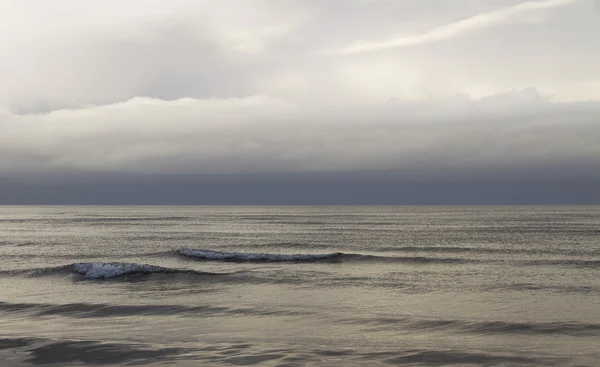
[{"x": 520, "y": 133}]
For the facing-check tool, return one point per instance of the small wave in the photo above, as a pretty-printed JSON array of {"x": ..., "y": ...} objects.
[
  {"x": 101, "y": 218},
  {"x": 490, "y": 250},
  {"x": 257, "y": 257},
  {"x": 99, "y": 270},
  {"x": 29, "y": 351},
  {"x": 20, "y": 244},
  {"x": 156, "y": 254},
  {"x": 61, "y": 352},
  {"x": 211, "y": 255},
  {"x": 443, "y": 249},
  {"x": 37, "y": 272},
  {"x": 447, "y": 357},
  {"x": 501, "y": 327},
  {"x": 427, "y": 260},
  {"x": 84, "y": 310},
  {"x": 545, "y": 288},
  {"x": 68, "y": 352},
  {"x": 486, "y": 327},
  {"x": 566, "y": 262},
  {"x": 8, "y": 343}
]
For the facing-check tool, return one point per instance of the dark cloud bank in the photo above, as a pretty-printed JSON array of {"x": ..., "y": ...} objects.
[{"x": 265, "y": 191}]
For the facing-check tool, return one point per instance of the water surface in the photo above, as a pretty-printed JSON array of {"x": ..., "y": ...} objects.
[{"x": 300, "y": 286}]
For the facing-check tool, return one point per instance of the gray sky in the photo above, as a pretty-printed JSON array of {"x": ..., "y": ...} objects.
[{"x": 404, "y": 90}]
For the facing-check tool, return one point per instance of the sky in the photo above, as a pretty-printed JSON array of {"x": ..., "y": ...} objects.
[{"x": 300, "y": 102}]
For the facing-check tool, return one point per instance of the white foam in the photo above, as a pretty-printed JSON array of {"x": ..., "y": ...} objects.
[
  {"x": 251, "y": 256},
  {"x": 97, "y": 270}
]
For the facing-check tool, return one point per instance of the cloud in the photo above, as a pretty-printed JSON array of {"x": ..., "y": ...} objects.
[
  {"x": 229, "y": 87},
  {"x": 520, "y": 133},
  {"x": 85, "y": 55},
  {"x": 476, "y": 23}
]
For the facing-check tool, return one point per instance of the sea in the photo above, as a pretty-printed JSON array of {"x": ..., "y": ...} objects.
[{"x": 300, "y": 286}]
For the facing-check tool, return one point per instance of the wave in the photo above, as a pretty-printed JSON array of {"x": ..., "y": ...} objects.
[
  {"x": 101, "y": 270},
  {"x": 99, "y": 310},
  {"x": 454, "y": 357},
  {"x": 8, "y": 343},
  {"x": 211, "y": 255},
  {"x": 577, "y": 263},
  {"x": 491, "y": 250},
  {"x": 545, "y": 288},
  {"x": 22, "y": 244},
  {"x": 94, "y": 353},
  {"x": 427, "y": 260},
  {"x": 38, "y": 272},
  {"x": 87, "y": 352},
  {"x": 579, "y": 329},
  {"x": 124, "y": 219},
  {"x": 61, "y": 352},
  {"x": 40, "y": 351},
  {"x": 501, "y": 327},
  {"x": 257, "y": 256}
]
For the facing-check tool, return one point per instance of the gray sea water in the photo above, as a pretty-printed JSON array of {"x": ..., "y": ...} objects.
[{"x": 300, "y": 286}]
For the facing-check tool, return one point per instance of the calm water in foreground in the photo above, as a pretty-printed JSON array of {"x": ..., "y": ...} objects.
[{"x": 300, "y": 286}]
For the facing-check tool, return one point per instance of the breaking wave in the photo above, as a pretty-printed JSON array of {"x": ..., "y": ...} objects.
[
  {"x": 98, "y": 270},
  {"x": 257, "y": 256},
  {"x": 101, "y": 270},
  {"x": 210, "y": 255}
]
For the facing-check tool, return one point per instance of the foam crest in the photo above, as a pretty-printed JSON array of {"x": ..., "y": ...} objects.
[
  {"x": 258, "y": 256},
  {"x": 98, "y": 270}
]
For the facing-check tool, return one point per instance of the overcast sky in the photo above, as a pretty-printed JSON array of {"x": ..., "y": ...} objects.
[{"x": 403, "y": 90}]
